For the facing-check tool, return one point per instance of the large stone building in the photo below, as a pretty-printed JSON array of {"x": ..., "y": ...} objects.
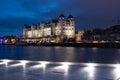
[{"x": 62, "y": 26}]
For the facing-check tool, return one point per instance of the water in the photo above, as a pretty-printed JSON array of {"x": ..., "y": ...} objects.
[
  {"x": 60, "y": 54},
  {"x": 92, "y": 63}
]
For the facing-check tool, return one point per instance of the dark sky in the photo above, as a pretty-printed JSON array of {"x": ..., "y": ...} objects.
[{"x": 88, "y": 14}]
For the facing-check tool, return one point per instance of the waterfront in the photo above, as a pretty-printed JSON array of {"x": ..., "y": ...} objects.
[{"x": 58, "y": 63}]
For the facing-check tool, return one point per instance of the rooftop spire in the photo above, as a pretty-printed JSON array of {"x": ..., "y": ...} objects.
[
  {"x": 70, "y": 16},
  {"x": 62, "y": 15}
]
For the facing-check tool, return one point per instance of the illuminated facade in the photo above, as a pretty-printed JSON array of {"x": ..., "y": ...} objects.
[
  {"x": 79, "y": 35},
  {"x": 58, "y": 27}
]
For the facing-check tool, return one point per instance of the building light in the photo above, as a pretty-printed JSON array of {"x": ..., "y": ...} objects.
[
  {"x": 13, "y": 41},
  {"x": 95, "y": 41},
  {"x": 6, "y": 41},
  {"x": 29, "y": 33},
  {"x": 103, "y": 41}
]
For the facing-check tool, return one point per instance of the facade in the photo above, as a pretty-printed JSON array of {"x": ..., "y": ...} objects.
[
  {"x": 60, "y": 27},
  {"x": 78, "y": 35}
]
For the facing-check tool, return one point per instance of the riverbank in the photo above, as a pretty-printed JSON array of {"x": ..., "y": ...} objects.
[{"x": 104, "y": 45}]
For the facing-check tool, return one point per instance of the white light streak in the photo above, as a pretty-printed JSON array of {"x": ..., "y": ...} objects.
[
  {"x": 90, "y": 69},
  {"x": 64, "y": 67},
  {"x": 6, "y": 61},
  {"x": 116, "y": 71},
  {"x": 24, "y": 62},
  {"x": 37, "y": 66},
  {"x": 44, "y": 65}
]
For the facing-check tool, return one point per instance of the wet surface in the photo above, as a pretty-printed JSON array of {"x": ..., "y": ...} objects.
[
  {"x": 59, "y": 63},
  {"x": 42, "y": 70}
]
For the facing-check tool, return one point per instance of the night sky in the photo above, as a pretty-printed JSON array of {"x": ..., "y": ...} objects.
[{"x": 88, "y": 14}]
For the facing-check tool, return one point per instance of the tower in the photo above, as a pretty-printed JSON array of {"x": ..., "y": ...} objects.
[
  {"x": 71, "y": 20},
  {"x": 62, "y": 23},
  {"x": 62, "y": 20},
  {"x": 61, "y": 17},
  {"x": 70, "y": 27}
]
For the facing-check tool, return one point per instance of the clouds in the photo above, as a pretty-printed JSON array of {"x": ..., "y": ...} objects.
[
  {"x": 15, "y": 13},
  {"x": 38, "y": 7},
  {"x": 93, "y": 12}
]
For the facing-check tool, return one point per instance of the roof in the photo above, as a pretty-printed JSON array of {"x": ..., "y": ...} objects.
[
  {"x": 54, "y": 20},
  {"x": 62, "y": 15},
  {"x": 70, "y": 16}
]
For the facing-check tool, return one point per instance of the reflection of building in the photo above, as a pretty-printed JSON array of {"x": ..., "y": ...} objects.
[
  {"x": 58, "y": 27},
  {"x": 79, "y": 34}
]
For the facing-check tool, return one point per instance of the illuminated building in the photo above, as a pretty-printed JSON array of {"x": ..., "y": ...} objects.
[
  {"x": 60, "y": 27},
  {"x": 79, "y": 34}
]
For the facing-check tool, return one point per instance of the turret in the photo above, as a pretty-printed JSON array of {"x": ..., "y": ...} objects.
[
  {"x": 70, "y": 17},
  {"x": 61, "y": 17},
  {"x": 62, "y": 23},
  {"x": 70, "y": 20},
  {"x": 62, "y": 20}
]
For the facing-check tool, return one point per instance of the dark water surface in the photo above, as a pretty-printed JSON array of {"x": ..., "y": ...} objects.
[{"x": 60, "y": 54}]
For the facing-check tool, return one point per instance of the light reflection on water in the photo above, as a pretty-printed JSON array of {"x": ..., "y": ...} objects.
[
  {"x": 61, "y": 54},
  {"x": 90, "y": 70},
  {"x": 65, "y": 58}
]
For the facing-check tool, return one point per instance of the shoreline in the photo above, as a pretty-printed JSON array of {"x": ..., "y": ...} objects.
[
  {"x": 102, "y": 45},
  {"x": 89, "y": 45},
  {"x": 99, "y": 45}
]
